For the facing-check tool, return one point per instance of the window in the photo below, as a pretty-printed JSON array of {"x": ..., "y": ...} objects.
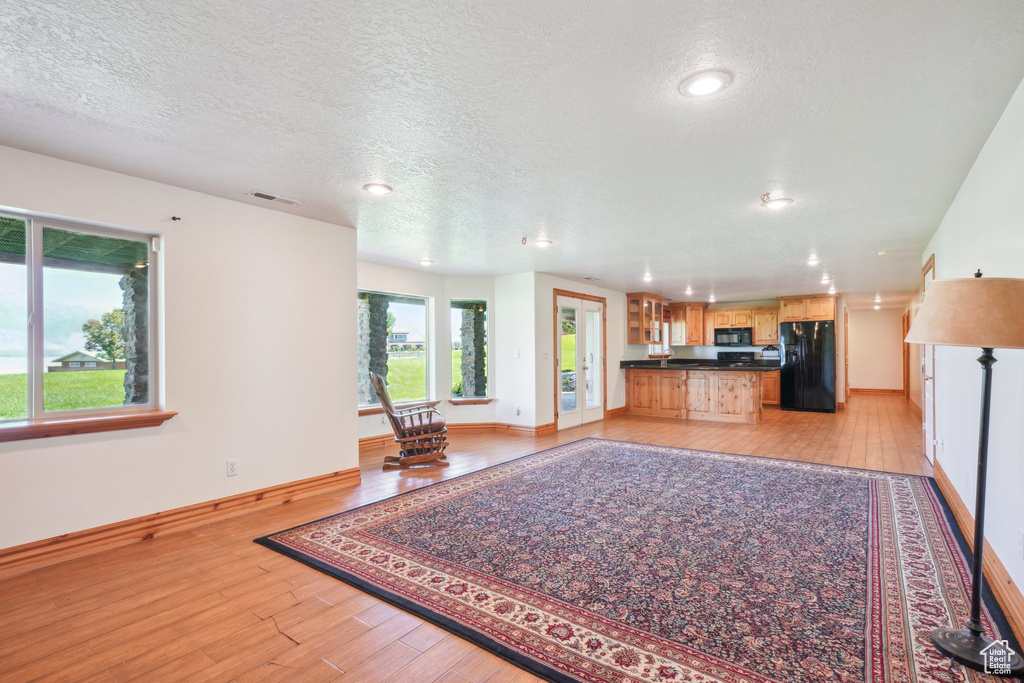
[
  {"x": 469, "y": 349},
  {"x": 70, "y": 291},
  {"x": 392, "y": 343}
]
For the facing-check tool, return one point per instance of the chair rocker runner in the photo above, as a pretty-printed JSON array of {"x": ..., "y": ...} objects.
[{"x": 420, "y": 432}]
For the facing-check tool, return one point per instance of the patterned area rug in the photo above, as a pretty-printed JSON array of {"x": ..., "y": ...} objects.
[{"x": 613, "y": 561}]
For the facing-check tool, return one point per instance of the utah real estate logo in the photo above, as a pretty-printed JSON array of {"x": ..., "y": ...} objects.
[{"x": 998, "y": 656}]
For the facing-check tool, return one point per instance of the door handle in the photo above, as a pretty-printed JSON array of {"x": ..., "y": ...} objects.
[
  {"x": 585, "y": 368},
  {"x": 928, "y": 377}
]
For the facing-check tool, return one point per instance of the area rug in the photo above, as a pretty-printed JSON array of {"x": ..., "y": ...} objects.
[{"x": 613, "y": 561}]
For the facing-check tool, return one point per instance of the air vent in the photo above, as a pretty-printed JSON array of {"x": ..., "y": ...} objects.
[
  {"x": 592, "y": 279},
  {"x": 274, "y": 198}
]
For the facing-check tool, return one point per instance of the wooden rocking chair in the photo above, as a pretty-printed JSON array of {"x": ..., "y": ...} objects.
[{"x": 420, "y": 432}]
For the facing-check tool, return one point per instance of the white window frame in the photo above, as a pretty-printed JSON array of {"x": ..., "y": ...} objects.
[
  {"x": 90, "y": 363},
  {"x": 74, "y": 364},
  {"x": 34, "y": 223}
]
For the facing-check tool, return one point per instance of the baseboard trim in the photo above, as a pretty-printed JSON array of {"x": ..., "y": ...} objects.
[
  {"x": 376, "y": 441},
  {"x": 22, "y": 558},
  {"x": 1006, "y": 592},
  {"x": 916, "y": 407},
  {"x": 889, "y": 392},
  {"x": 370, "y": 442},
  {"x": 615, "y": 412}
]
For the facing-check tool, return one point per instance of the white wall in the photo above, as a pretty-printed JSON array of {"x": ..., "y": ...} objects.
[
  {"x": 514, "y": 349},
  {"x": 984, "y": 228},
  {"x": 615, "y": 317},
  {"x": 440, "y": 289},
  {"x": 876, "y": 348},
  {"x": 255, "y": 300}
]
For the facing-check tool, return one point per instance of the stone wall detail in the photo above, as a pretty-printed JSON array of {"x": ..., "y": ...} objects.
[
  {"x": 473, "y": 331},
  {"x": 135, "y": 305}
]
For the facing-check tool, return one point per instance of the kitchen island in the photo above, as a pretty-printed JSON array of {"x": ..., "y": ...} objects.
[{"x": 697, "y": 389}]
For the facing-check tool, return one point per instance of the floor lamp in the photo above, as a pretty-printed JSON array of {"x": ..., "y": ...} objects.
[{"x": 987, "y": 313}]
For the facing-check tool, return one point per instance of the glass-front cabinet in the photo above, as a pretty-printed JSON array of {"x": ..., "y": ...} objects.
[{"x": 647, "y": 319}]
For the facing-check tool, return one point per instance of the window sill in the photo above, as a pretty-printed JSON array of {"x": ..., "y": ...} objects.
[
  {"x": 377, "y": 410},
  {"x": 473, "y": 401},
  {"x": 39, "y": 429}
]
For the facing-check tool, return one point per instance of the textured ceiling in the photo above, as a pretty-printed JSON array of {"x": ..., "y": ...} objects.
[{"x": 499, "y": 120}]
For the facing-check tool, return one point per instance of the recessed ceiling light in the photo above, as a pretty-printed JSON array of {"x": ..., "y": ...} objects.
[
  {"x": 425, "y": 262},
  {"x": 705, "y": 83},
  {"x": 878, "y": 298},
  {"x": 832, "y": 289},
  {"x": 775, "y": 204},
  {"x": 647, "y": 277},
  {"x": 877, "y": 307},
  {"x": 711, "y": 299},
  {"x": 689, "y": 290},
  {"x": 542, "y": 242},
  {"x": 885, "y": 252},
  {"x": 377, "y": 188},
  {"x": 813, "y": 260},
  {"x": 825, "y": 279}
]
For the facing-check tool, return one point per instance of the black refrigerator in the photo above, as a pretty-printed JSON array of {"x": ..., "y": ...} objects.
[{"x": 809, "y": 366}]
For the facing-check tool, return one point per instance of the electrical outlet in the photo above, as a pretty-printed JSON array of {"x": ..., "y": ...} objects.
[
  {"x": 232, "y": 468},
  {"x": 517, "y": 410}
]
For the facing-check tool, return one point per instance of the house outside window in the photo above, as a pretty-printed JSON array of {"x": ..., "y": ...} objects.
[
  {"x": 392, "y": 342},
  {"x": 76, "y": 319},
  {"x": 469, "y": 348}
]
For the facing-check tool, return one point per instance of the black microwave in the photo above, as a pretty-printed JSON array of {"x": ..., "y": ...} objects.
[{"x": 733, "y": 336}]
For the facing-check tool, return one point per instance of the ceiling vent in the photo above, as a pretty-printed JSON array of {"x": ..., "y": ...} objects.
[{"x": 274, "y": 198}]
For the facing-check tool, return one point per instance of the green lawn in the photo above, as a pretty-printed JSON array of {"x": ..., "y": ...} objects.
[
  {"x": 406, "y": 375},
  {"x": 64, "y": 391}
]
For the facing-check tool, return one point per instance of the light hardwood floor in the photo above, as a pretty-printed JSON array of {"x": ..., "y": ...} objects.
[{"x": 208, "y": 604}]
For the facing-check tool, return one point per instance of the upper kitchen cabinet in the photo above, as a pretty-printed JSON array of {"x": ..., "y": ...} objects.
[
  {"x": 766, "y": 327},
  {"x": 800, "y": 308},
  {"x": 645, "y": 318},
  {"x": 687, "y": 324},
  {"x": 731, "y": 317},
  {"x": 695, "y": 325}
]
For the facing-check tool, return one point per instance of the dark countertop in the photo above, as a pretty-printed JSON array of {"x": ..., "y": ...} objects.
[{"x": 702, "y": 364}]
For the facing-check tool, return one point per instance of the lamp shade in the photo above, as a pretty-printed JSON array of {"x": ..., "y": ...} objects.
[{"x": 986, "y": 312}]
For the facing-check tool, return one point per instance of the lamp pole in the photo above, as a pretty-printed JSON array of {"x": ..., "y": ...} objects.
[{"x": 968, "y": 646}]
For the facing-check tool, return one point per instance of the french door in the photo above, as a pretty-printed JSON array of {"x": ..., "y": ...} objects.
[{"x": 579, "y": 361}]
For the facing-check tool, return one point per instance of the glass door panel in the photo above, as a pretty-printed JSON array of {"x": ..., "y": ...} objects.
[{"x": 568, "y": 357}]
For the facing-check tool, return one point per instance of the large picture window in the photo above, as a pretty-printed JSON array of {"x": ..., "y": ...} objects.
[
  {"x": 469, "y": 349},
  {"x": 393, "y": 343},
  {"x": 75, "y": 319}
]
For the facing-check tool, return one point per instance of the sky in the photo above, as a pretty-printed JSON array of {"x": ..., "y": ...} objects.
[{"x": 71, "y": 297}]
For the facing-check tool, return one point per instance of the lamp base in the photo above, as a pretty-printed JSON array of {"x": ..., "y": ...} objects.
[{"x": 972, "y": 651}]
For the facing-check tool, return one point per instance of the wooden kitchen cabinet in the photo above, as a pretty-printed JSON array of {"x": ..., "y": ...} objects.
[
  {"x": 794, "y": 310},
  {"x": 695, "y": 325},
  {"x": 687, "y": 324},
  {"x": 714, "y": 395},
  {"x": 645, "y": 317},
  {"x": 655, "y": 392},
  {"x": 821, "y": 309},
  {"x": 677, "y": 315},
  {"x": 741, "y": 319},
  {"x": 799, "y": 309},
  {"x": 771, "y": 392},
  {"x": 731, "y": 317},
  {"x": 766, "y": 328}
]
